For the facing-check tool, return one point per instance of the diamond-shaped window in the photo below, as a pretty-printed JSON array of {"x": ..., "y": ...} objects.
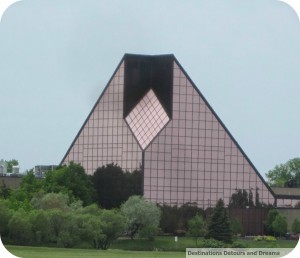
[{"x": 147, "y": 119}]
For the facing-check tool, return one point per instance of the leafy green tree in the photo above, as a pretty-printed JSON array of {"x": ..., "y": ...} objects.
[
  {"x": 40, "y": 226},
  {"x": 51, "y": 201},
  {"x": 4, "y": 190},
  {"x": 30, "y": 184},
  {"x": 57, "y": 220},
  {"x": 91, "y": 230},
  {"x": 296, "y": 226},
  {"x": 282, "y": 174},
  {"x": 18, "y": 199},
  {"x": 280, "y": 224},
  {"x": 269, "y": 221},
  {"x": 20, "y": 228},
  {"x": 114, "y": 186},
  {"x": 112, "y": 225},
  {"x": 236, "y": 226},
  {"x": 186, "y": 212},
  {"x": 69, "y": 235},
  {"x": 10, "y": 164},
  {"x": 91, "y": 209},
  {"x": 169, "y": 218},
  {"x": 219, "y": 227},
  {"x": 140, "y": 213},
  {"x": 196, "y": 227},
  {"x": 71, "y": 180},
  {"x": 5, "y": 215},
  {"x": 174, "y": 220}
]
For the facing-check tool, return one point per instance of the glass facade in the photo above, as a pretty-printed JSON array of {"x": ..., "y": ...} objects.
[
  {"x": 187, "y": 154},
  {"x": 105, "y": 136}
]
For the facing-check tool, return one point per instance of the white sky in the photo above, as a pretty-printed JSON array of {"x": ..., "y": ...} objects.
[{"x": 56, "y": 56}]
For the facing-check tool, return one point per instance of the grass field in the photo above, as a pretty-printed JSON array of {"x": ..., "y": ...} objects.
[
  {"x": 44, "y": 252},
  {"x": 161, "y": 247},
  {"x": 168, "y": 244}
]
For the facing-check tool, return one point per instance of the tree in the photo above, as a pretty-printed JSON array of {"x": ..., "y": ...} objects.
[
  {"x": 5, "y": 215},
  {"x": 140, "y": 213},
  {"x": 269, "y": 221},
  {"x": 91, "y": 230},
  {"x": 112, "y": 225},
  {"x": 4, "y": 190},
  {"x": 114, "y": 186},
  {"x": 236, "y": 226},
  {"x": 19, "y": 227},
  {"x": 100, "y": 227},
  {"x": 280, "y": 224},
  {"x": 287, "y": 174},
  {"x": 174, "y": 220},
  {"x": 69, "y": 234},
  {"x": 57, "y": 220},
  {"x": 71, "y": 180},
  {"x": 40, "y": 226},
  {"x": 219, "y": 226},
  {"x": 196, "y": 227},
  {"x": 30, "y": 184},
  {"x": 10, "y": 164},
  {"x": 296, "y": 226},
  {"x": 51, "y": 201}
]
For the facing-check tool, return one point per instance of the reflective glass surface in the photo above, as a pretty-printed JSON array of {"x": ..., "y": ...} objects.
[
  {"x": 147, "y": 119},
  {"x": 191, "y": 158}
]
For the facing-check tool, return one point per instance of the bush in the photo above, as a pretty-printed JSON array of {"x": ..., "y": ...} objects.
[
  {"x": 236, "y": 226},
  {"x": 20, "y": 228},
  {"x": 265, "y": 238},
  {"x": 239, "y": 244},
  {"x": 211, "y": 243},
  {"x": 296, "y": 226},
  {"x": 270, "y": 238},
  {"x": 258, "y": 238},
  {"x": 280, "y": 225}
]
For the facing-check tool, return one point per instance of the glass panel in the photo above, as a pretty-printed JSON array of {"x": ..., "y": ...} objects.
[{"x": 147, "y": 119}]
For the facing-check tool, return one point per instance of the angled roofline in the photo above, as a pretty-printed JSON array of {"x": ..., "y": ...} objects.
[
  {"x": 98, "y": 100},
  {"x": 225, "y": 128},
  {"x": 91, "y": 112}
]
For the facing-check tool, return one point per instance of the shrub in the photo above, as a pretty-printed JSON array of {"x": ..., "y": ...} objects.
[
  {"x": 196, "y": 227},
  {"x": 236, "y": 226},
  {"x": 296, "y": 226},
  {"x": 239, "y": 244},
  {"x": 280, "y": 225},
  {"x": 265, "y": 238},
  {"x": 258, "y": 238},
  {"x": 211, "y": 243},
  {"x": 270, "y": 238}
]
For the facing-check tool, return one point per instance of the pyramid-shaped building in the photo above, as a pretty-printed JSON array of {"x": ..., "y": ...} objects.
[{"x": 152, "y": 116}]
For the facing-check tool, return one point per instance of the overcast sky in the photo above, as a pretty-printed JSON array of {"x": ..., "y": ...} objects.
[{"x": 56, "y": 56}]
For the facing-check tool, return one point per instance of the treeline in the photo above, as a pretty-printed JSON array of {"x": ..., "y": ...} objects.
[
  {"x": 70, "y": 208},
  {"x": 108, "y": 187},
  {"x": 66, "y": 226}
]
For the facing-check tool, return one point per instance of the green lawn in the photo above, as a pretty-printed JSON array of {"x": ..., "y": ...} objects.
[
  {"x": 168, "y": 244},
  {"x": 44, "y": 252},
  {"x": 161, "y": 247}
]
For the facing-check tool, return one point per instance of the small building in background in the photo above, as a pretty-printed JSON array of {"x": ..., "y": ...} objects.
[
  {"x": 40, "y": 170},
  {"x": 3, "y": 167}
]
